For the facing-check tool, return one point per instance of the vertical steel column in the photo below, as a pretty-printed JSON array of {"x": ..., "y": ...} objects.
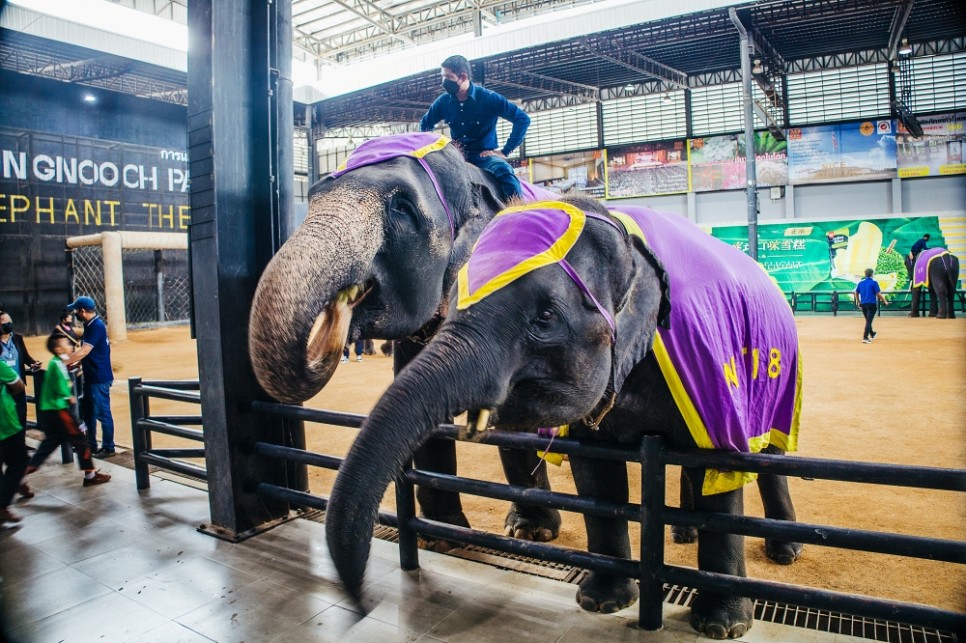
[
  {"x": 237, "y": 70},
  {"x": 140, "y": 438},
  {"x": 406, "y": 511},
  {"x": 159, "y": 280},
  {"x": 751, "y": 190},
  {"x": 653, "y": 476}
]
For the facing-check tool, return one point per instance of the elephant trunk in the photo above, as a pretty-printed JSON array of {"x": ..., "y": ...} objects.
[
  {"x": 451, "y": 375},
  {"x": 303, "y": 304}
]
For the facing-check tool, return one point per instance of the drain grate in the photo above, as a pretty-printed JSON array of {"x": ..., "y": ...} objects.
[{"x": 765, "y": 611}]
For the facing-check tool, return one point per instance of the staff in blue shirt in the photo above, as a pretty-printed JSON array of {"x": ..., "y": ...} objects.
[
  {"x": 95, "y": 351},
  {"x": 471, "y": 112},
  {"x": 866, "y": 294}
]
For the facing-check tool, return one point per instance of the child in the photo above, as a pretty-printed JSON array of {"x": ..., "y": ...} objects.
[{"x": 58, "y": 422}]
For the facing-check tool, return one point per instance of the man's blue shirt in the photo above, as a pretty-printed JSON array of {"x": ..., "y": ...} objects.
[
  {"x": 867, "y": 289},
  {"x": 472, "y": 123},
  {"x": 97, "y": 363},
  {"x": 919, "y": 246}
]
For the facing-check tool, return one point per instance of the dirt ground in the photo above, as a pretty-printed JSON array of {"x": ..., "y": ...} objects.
[{"x": 884, "y": 402}]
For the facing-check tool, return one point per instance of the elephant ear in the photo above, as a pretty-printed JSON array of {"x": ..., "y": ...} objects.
[
  {"x": 484, "y": 204},
  {"x": 645, "y": 307}
]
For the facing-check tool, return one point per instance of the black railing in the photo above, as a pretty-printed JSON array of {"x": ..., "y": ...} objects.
[
  {"x": 654, "y": 515},
  {"x": 143, "y": 424},
  {"x": 835, "y": 301}
]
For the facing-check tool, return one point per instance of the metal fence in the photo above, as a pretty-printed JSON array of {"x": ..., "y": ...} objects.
[
  {"x": 156, "y": 283},
  {"x": 653, "y": 513}
]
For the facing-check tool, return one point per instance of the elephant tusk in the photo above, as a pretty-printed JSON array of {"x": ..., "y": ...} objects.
[{"x": 482, "y": 420}]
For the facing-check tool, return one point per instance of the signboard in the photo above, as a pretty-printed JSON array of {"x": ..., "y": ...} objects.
[
  {"x": 646, "y": 169},
  {"x": 718, "y": 162},
  {"x": 833, "y": 255},
  {"x": 579, "y": 173},
  {"x": 845, "y": 152},
  {"x": 938, "y": 153},
  {"x": 62, "y": 185}
]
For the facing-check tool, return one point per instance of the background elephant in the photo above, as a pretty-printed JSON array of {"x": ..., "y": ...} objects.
[
  {"x": 375, "y": 258},
  {"x": 566, "y": 329},
  {"x": 937, "y": 270}
]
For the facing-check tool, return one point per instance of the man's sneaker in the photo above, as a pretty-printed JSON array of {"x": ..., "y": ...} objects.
[
  {"x": 6, "y": 516},
  {"x": 99, "y": 478},
  {"x": 343, "y": 360},
  {"x": 358, "y": 358},
  {"x": 866, "y": 341},
  {"x": 105, "y": 453},
  {"x": 874, "y": 334},
  {"x": 25, "y": 491}
]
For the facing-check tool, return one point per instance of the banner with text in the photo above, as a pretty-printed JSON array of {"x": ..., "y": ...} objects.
[
  {"x": 844, "y": 152},
  {"x": 718, "y": 162},
  {"x": 833, "y": 255},
  {"x": 72, "y": 185},
  {"x": 578, "y": 173},
  {"x": 940, "y": 150},
  {"x": 647, "y": 169}
]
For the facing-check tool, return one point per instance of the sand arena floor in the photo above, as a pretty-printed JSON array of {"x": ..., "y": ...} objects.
[{"x": 899, "y": 400}]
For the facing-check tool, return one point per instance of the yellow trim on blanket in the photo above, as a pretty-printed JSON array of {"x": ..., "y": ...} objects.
[
  {"x": 692, "y": 418},
  {"x": 435, "y": 146},
  {"x": 551, "y": 255},
  {"x": 432, "y": 147},
  {"x": 926, "y": 282}
]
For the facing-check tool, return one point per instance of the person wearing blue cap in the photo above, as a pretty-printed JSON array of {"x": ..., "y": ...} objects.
[{"x": 94, "y": 354}]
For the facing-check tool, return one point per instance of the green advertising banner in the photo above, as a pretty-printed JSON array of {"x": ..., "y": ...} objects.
[{"x": 833, "y": 255}]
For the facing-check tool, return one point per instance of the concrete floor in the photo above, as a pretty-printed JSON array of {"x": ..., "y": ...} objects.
[{"x": 109, "y": 563}]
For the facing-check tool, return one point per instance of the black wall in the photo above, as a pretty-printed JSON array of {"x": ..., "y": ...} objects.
[{"x": 34, "y": 279}]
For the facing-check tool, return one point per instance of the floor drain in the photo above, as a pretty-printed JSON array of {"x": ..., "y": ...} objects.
[{"x": 765, "y": 611}]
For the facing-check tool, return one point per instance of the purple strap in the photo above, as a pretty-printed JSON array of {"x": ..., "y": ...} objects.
[
  {"x": 442, "y": 199},
  {"x": 583, "y": 288}
]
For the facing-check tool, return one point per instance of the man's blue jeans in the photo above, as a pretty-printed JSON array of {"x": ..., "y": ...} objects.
[
  {"x": 502, "y": 172},
  {"x": 96, "y": 407}
]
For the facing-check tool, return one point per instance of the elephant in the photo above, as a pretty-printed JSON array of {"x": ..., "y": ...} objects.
[
  {"x": 937, "y": 270},
  {"x": 375, "y": 257},
  {"x": 566, "y": 315}
]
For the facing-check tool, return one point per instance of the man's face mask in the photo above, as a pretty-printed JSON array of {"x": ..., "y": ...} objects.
[
  {"x": 451, "y": 86},
  {"x": 6, "y": 327}
]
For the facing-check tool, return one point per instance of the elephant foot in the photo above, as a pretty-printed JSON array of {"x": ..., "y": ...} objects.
[
  {"x": 782, "y": 552},
  {"x": 606, "y": 593},
  {"x": 527, "y": 522},
  {"x": 684, "y": 535},
  {"x": 913, "y": 314},
  {"x": 933, "y": 315},
  {"x": 722, "y": 617},
  {"x": 439, "y": 545},
  {"x": 940, "y": 316}
]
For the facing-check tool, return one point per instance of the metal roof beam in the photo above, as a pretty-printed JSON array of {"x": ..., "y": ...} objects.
[
  {"x": 375, "y": 16},
  {"x": 629, "y": 59},
  {"x": 899, "y": 19},
  {"x": 540, "y": 83}
]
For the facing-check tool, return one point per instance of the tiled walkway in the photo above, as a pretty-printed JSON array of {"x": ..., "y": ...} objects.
[{"x": 111, "y": 564}]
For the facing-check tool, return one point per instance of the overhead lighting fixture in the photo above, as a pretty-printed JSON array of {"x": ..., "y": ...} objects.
[
  {"x": 666, "y": 99},
  {"x": 629, "y": 87},
  {"x": 90, "y": 98},
  {"x": 905, "y": 48},
  {"x": 757, "y": 68}
]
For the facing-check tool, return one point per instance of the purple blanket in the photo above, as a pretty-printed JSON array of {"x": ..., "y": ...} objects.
[
  {"x": 730, "y": 357},
  {"x": 920, "y": 273}
]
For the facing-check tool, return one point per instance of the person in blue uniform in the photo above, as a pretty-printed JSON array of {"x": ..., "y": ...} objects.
[{"x": 471, "y": 112}]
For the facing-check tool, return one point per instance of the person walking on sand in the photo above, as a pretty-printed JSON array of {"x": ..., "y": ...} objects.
[{"x": 867, "y": 296}]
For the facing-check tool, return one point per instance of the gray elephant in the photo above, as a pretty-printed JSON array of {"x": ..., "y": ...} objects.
[
  {"x": 375, "y": 258},
  {"x": 937, "y": 270},
  {"x": 559, "y": 318}
]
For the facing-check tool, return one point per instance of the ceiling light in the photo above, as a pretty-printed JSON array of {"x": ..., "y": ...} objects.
[
  {"x": 90, "y": 98},
  {"x": 630, "y": 87},
  {"x": 757, "y": 68},
  {"x": 666, "y": 99},
  {"x": 905, "y": 48}
]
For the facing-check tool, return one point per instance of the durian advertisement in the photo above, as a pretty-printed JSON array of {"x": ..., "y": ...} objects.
[{"x": 833, "y": 255}]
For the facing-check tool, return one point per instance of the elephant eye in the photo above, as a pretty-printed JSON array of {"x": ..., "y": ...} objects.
[
  {"x": 545, "y": 315},
  {"x": 402, "y": 213}
]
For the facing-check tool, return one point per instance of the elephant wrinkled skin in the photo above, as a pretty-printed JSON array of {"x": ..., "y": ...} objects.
[{"x": 541, "y": 352}]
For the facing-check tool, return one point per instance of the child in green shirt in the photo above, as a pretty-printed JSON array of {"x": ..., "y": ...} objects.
[
  {"x": 57, "y": 420},
  {"x": 13, "y": 452}
]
